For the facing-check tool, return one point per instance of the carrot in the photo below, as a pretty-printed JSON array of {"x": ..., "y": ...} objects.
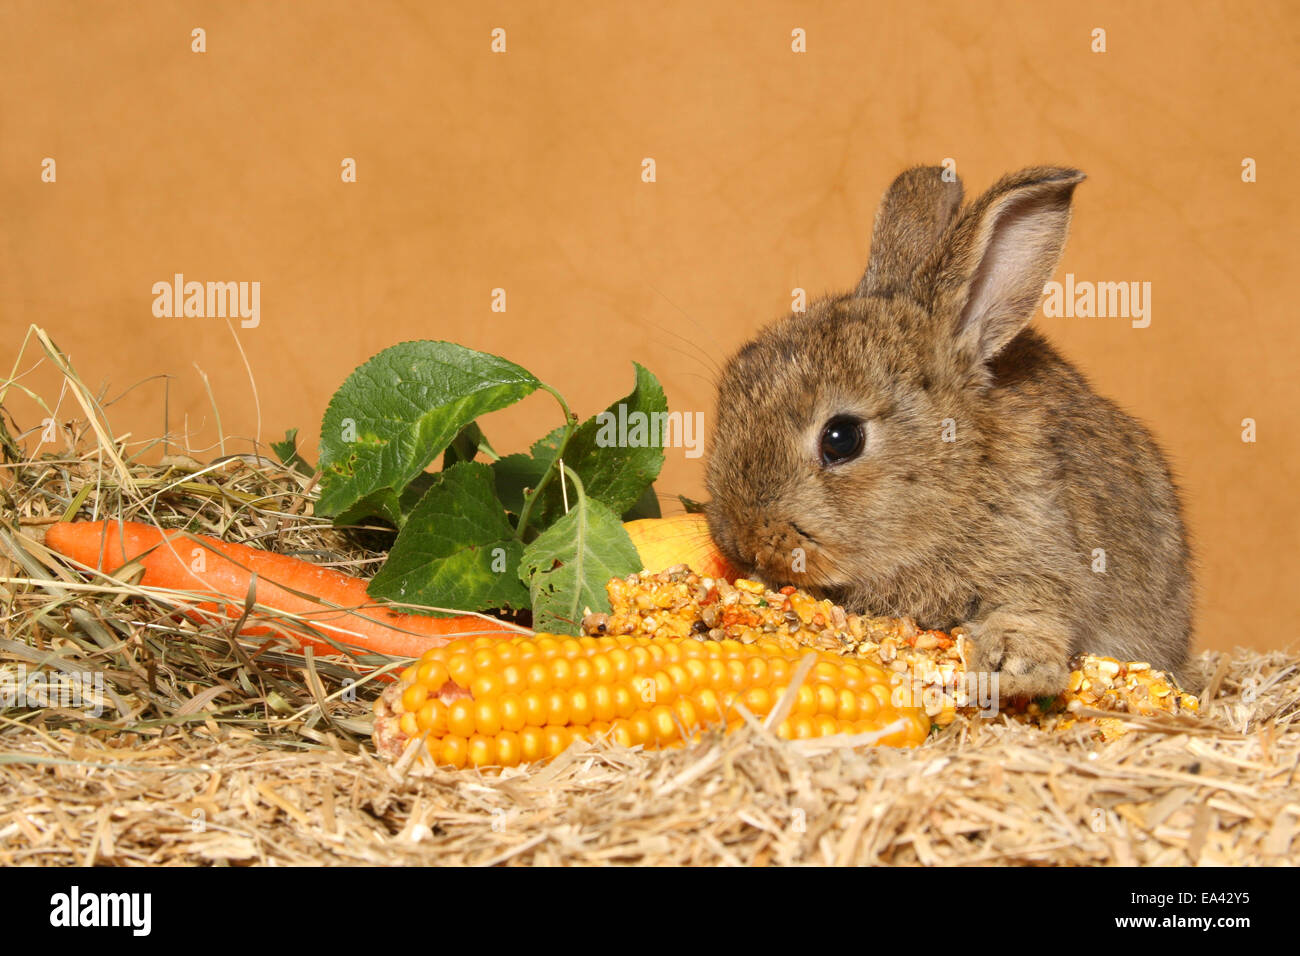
[{"x": 186, "y": 562}]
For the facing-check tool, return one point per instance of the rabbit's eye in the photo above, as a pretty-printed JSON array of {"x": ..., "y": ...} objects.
[{"x": 842, "y": 439}]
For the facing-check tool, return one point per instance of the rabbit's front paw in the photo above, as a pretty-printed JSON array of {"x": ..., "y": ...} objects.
[{"x": 1029, "y": 653}]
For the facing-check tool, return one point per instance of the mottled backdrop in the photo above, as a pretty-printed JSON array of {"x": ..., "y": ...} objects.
[{"x": 522, "y": 170}]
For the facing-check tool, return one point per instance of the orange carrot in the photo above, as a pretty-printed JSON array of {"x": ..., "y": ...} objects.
[{"x": 186, "y": 562}]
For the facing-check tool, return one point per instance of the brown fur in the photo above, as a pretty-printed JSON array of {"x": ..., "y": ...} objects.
[{"x": 995, "y": 530}]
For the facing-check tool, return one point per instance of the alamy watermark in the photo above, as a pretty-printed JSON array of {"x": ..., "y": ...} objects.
[
  {"x": 208, "y": 300},
  {"x": 1086, "y": 300},
  {"x": 946, "y": 689},
  {"x": 637, "y": 429},
  {"x": 39, "y": 689},
  {"x": 133, "y": 911}
]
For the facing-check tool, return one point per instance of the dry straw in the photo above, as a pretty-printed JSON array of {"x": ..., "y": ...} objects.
[{"x": 209, "y": 750}]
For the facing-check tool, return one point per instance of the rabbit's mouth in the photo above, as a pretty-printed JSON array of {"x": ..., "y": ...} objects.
[
  {"x": 793, "y": 556},
  {"x": 775, "y": 550}
]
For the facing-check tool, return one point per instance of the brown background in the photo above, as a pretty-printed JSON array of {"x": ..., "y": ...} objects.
[{"x": 523, "y": 171}]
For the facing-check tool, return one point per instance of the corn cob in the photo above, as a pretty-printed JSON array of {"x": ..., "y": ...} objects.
[
  {"x": 678, "y": 602},
  {"x": 505, "y": 701}
]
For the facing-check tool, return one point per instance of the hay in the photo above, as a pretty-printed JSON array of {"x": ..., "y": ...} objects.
[
  {"x": 212, "y": 751},
  {"x": 215, "y": 792}
]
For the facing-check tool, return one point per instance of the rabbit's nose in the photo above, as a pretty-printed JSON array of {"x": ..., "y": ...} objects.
[{"x": 773, "y": 548}]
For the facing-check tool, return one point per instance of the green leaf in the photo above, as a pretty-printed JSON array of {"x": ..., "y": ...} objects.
[
  {"x": 515, "y": 474},
  {"x": 616, "y": 463},
  {"x": 413, "y": 492},
  {"x": 466, "y": 446},
  {"x": 544, "y": 448},
  {"x": 394, "y": 414},
  {"x": 457, "y": 548},
  {"x": 385, "y": 503},
  {"x": 567, "y": 567},
  {"x": 647, "y": 506},
  {"x": 287, "y": 452}
]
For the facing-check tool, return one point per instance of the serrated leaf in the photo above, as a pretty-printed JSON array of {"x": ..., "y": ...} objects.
[
  {"x": 413, "y": 492},
  {"x": 384, "y": 503},
  {"x": 617, "y": 459},
  {"x": 515, "y": 474},
  {"x": 466, "y": 446},
  {"x": 544, "y": 448},
  {"x": 287, "y": 452},
  {"x": 647, "y": 506},
  {"x": 567, "y": 566},
  {"x": 395, "y": 413},
  {"x": 457, "y": 548}
]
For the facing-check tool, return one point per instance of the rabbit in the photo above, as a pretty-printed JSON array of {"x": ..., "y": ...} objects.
[{"x": 912, "y": 448}]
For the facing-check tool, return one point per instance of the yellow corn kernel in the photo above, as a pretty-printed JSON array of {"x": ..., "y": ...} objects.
[
  {"x": 532, "y": 744},
  {"x": 509, "y": 749},
  {"x": 414, "y": 696},
  {"x": 530, "y": 697},
  {"x": 432, "y": 717}
]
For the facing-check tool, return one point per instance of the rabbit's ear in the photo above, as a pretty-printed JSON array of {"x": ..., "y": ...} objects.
[
  {"x": 991, "y": 267},
  {"x": 913, "y": 214}
]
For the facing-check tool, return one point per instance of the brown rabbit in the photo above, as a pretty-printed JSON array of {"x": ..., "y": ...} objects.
[{"x": 911, "y": 448}]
